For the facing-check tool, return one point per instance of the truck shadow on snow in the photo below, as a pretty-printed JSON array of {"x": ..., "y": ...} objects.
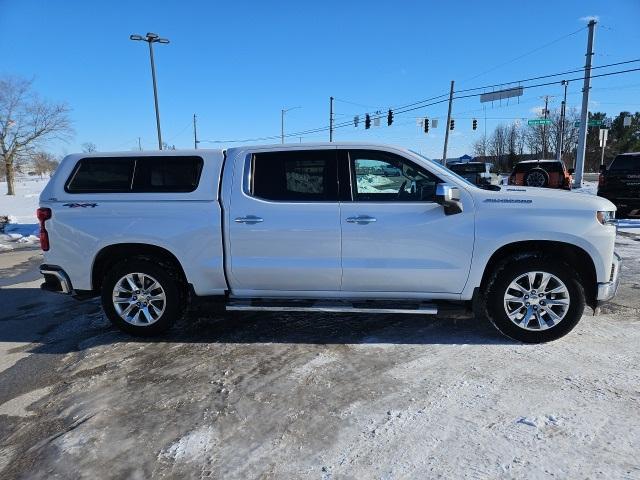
[{"x": 61, "y": 325}]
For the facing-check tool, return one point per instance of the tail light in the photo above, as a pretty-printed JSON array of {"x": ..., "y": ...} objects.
[{"x": 43, "y": 215}]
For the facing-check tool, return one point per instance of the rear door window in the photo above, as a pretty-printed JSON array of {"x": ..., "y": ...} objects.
[
  {"x": 298, "y": 175},
  {"x": 626, "y": 162}
]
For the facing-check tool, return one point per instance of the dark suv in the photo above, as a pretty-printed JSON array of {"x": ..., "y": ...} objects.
[{"x": 620, "y": 183}]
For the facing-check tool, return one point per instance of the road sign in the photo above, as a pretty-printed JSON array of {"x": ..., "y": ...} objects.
[
  {"x": 604, "y": 134},
  {"x": 540, "y": 121},
  {"x": 591, "y": 123},
  {"x": 434, "y": 123},
  {"x": 501, "y": 94}
]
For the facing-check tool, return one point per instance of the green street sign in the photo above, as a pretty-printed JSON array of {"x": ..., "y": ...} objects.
[
  {"x": 540, "y": 121},
  {"x": 591, "y": 123}
]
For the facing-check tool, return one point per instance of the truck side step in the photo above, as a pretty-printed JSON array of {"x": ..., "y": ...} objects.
[{"x": 354, "y": 306}]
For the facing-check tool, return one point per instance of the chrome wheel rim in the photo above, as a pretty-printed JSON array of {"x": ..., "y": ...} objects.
[
  {"x": 139, "y": 299},
  {"x": 535, "y": 179},
  {"x": 536, "y": 301}
]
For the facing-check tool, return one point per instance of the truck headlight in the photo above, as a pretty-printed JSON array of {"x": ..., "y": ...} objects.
[{"x": 605, "y": 217}]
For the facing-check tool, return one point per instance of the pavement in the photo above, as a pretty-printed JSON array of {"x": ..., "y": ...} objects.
[{"x": 312, "y": 396}]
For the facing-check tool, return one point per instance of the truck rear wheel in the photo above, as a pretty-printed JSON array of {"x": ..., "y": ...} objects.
[
  {"x": 141, "y": 297},
  {"x": 534, "y": 299}
]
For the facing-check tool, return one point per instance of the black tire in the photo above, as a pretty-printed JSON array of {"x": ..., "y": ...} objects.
[
  {"x": 537, "y": 177},
  {"x": 164, "y": 275},
  {"x": 517, "y": 265}
]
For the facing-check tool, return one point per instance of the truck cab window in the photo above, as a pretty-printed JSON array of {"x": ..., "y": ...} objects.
[
  {"x": 298, "y": 175},
  {"x": 380, "y": 176}
]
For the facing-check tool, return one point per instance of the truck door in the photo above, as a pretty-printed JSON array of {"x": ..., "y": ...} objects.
[
  {"x": 284, "y": 224},
  {"x": 395, "y": 238}
]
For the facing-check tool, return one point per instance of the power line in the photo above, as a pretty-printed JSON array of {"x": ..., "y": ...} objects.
[
  {"x": 425, "y": 103},
  {"x": 547, "y": 76},
  {"x": 525, "y": 54}
]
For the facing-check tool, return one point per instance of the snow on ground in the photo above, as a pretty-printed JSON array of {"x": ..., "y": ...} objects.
[
  {"x": 314, "y": 396},
  {"x": 587, "y": 187},
  {"x": 22, "y": 229}
]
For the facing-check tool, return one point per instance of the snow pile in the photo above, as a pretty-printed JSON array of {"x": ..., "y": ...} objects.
[
  {"x": 22, "y": 229},
  {"x": 587, "y": 187},
  {"x": 191, "y": 447}
]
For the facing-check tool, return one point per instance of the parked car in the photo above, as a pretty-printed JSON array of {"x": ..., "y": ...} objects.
[
  {"x": 541, "y": 173},
  {"x": 302, "y": 227},
  {"x": 620, "y": 183},
  {"x": 479, "y": 173}
]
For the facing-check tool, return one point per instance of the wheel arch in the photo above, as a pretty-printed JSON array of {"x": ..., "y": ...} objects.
[
  {"x": 112, "y": 254},
  {"x": 567, "y": 252}
]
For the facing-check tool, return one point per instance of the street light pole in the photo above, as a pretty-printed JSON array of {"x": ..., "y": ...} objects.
[
  {"x": 282, "y": 112},
  {"x": 152, "y": 38}
]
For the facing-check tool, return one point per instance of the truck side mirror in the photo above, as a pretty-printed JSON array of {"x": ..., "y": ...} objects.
[
  {"x": 603, "y": 168},
  {"x": 449, "y": 197}
]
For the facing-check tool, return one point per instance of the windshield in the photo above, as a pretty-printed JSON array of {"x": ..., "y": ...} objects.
[{"x": 450, "y": 172}]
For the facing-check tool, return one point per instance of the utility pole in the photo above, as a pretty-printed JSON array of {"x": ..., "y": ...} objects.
[
  {"x": 544, "y": 127},
  {"x": 563, "y": 114},
  {"x": 331, "y": 119},
  {"x": 584, "y": 114},
  {"x": 195, "y": 133},
  {"x": 447, "y": 126}
]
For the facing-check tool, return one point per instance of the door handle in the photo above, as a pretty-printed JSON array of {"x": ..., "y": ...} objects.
[
  {"x": 249, "y": 220},
  {"x": 361, "y": 219}
]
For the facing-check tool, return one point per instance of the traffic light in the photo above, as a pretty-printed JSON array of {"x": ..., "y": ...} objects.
[
  {"x": 367, "y": 121},
  {"x": 452, "y": 124},
  {"x": 390, "y": 117},
  {"x": 356, "y": 121},
  {"x": 426, "y": 125},
  {"x": 475, "y": 124}
]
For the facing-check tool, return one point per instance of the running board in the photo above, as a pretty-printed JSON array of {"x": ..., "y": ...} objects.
[{"x": 260, "y": 305}]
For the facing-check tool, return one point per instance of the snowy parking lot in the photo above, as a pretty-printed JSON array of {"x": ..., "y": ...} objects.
[{"x": 311, "y": 396}]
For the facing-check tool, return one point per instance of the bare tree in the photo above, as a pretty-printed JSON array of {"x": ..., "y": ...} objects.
[
  {"x": 26, "y": 123},
  {"x": 480, "y": 147},
  {"x": 89, "y": 147},
  {"x": 44, "y": 163},
  {"x": 498, "y": 145}
]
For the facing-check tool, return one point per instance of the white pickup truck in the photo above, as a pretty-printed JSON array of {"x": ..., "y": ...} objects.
[{"x": 336, "y": 227}]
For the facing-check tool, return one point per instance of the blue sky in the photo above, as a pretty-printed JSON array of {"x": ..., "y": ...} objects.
[{"x": 237, "y": 64}]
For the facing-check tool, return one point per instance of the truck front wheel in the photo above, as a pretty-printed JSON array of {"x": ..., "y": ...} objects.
[
  {"x": 534, "y": 299},
  {"x": 141, "y": 297}
]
